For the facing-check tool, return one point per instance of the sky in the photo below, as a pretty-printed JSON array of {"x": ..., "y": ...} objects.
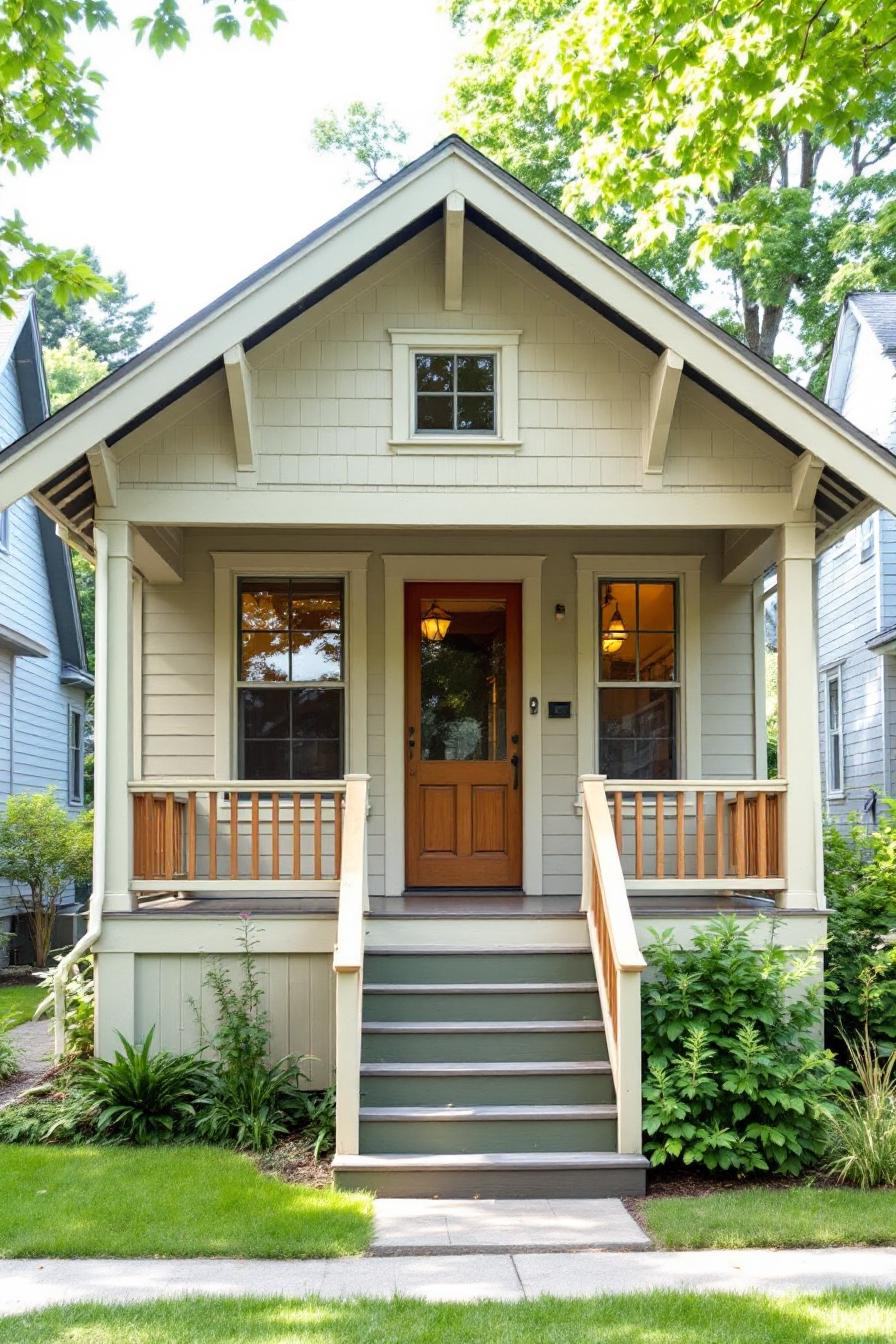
[{"x": 205, "y": 169}]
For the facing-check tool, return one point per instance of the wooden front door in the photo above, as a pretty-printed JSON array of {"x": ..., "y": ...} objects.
[{"x": 463, "y": 744}]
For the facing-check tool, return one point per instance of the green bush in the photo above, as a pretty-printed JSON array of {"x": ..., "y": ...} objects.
[
  {"x": 9, "y": 1056},
  {"x": 43, "y": 850},
  {"x": 860, "y": 964},
  {"x": 79, "y": 1007},
  {"x": 139, "y": 1097},
  {"x": 320, "y": 1120},
  {"x": 735, "y": 1080},
  {"x": 48, "y": 1113},
  {"x": 861, "y": 1145}
]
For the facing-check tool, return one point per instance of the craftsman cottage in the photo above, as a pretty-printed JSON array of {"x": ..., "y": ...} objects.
[{"x": 427, "y": 632}]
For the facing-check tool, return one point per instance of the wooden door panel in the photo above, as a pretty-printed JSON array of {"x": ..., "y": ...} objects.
[{"x": 463, "y": 825}]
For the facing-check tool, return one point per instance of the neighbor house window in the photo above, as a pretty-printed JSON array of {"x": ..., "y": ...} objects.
[
  {"x": 833, "y": 736},
  {"x": 290, "y": 679},
  {"x": 638, "y": 681},
  {"x": 866, "y": 538},
  {"x": 455, "y": 394},
  {"x": 4, "y": 529},
  {"x": 75, "y": 756}
]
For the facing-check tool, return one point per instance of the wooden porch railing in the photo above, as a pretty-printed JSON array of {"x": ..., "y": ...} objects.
[
  {"x": 348, "y": 963},
  {"x": 706, "y": 835},
  {"x": 617, "y": 958},
  {"x": 237, "y": 834}
]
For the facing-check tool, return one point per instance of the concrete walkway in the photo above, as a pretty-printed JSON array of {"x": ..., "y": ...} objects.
[
  {"x": 26, "y": 1285},
  {"x": 446, "y": 1226},
  {"x": 32, "y": 1040}
]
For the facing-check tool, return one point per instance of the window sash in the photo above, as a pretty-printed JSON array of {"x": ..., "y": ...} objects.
[
  {"x": 833, "y": 722},
  {"x": 637, "y": 684},
  {"x": 453, "y": 395},
  {"x": 75, "y": 756}
]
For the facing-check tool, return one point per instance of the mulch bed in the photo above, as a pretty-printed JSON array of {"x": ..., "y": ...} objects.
[{"x": 293, "y": 1161}]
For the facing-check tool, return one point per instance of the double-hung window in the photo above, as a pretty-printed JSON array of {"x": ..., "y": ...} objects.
[
  {"x": 290, "y": 678},
  {"x": 75, "y": 755},
  {"x": 833, "y": 732},
  {"x": 638, "y": 689}
]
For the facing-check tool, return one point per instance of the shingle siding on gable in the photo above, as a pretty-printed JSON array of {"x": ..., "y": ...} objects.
[{"x": 323, "y": 393}]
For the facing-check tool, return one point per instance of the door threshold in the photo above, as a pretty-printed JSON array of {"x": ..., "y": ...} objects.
[{"x": 463, "y": 891}]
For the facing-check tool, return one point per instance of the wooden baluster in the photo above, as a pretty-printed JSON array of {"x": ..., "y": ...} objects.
[
  {"x": 740, "y": 835},
  {"x": 137, "y": 822},
  {"x": 169, "y": 836},
  {"x": 774, "y": 836},
  {"x": 639, "y": 836},
  {"x": 234, "y": 834},
  {"x": 296, "y": 836},
  {"x": 720, "y": 834},
  {"x": 212, "y": 836},
  {"x": 318, "y": 837},
  {"x": 761, "y": 837},
  {"x": 617, "y": 820},
  {"x": 255, "y": 869},
  {"x": 679, "y": 834},
  {"x": 337, "y": 834},
  {"x": 701, "y": 834},
  {"x": 275, "y": 837},
  {"x": 191, "y": 836},
  {"x": 660, "y": 836}
]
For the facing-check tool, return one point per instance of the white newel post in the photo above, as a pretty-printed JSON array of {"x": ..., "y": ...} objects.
[
  {"x": 114, "y": 746},
  {"x": 799, "y": 757}
]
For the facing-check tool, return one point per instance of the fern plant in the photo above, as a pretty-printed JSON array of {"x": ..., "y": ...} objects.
[
  {"x": 10, "y": 1058},
  {"x": 141, "y": 1098},
  {"x": 320, "y": 1120}
]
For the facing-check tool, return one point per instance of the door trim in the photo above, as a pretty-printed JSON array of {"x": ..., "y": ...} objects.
[{"x": 402, "y": 569}]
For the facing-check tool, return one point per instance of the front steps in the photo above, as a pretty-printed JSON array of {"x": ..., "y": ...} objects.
[{"x": 484, "y": 1073}]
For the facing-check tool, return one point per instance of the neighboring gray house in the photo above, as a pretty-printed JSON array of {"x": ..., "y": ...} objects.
[
  {"x": 857, "y": 582},
  {"x": 44, "y": 676}
]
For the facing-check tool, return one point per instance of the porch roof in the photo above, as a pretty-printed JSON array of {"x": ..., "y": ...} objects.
[{"x": 51, "y": 459}]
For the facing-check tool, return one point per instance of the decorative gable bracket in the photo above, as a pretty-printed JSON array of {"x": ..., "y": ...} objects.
[
  {"x": 663, "y": 391},
  {"x": 455, "y": 208},
  {"x": 239, "y": 390}
]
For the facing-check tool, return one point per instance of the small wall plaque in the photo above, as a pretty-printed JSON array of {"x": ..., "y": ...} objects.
[{"x": 559, "y": 709}]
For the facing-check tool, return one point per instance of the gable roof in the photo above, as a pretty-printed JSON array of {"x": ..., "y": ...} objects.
[
  {"x": 20, "y": 344},
  {"x": 50, "y": 459}
]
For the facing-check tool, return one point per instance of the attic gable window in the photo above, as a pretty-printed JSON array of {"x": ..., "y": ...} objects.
[{"x": 455, "y": 390}]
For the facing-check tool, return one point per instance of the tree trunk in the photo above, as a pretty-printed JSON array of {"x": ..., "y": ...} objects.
[
  {"x": 751, "y": 324},
  {"x": 771, "y": 326}
]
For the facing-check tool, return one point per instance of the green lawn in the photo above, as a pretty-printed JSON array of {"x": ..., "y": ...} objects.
[
  {"x": 167, "y": 1201},
  {"x": 18, "y": 1003},
  {"x": 799, "y": 1216},
  {"x": 660, "y": 1318}
]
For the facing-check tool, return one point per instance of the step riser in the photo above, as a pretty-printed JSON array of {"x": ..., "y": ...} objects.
[
  {"x": 488, "y": 1136},
  {"x": 479, "y": 968},
  {"x": 575, "y": 1184},
  {"x": 482, "y": 932},
  {"x": 479, "y": 1046},
  {"x": 431, "y": 1006},
  {"x": 528, "y": 1090}
]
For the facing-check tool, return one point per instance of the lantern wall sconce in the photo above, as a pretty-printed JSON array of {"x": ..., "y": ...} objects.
[{"x": 560, "y": 612}]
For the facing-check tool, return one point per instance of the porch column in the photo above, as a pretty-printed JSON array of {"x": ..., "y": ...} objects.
[
  {"x": 799, "y": 757},
  {"x": 114, "y": 711}
]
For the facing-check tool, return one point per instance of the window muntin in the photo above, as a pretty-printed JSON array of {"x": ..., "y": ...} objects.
[
  {"x": 75, "y": 756},
  {"x": 833, "y": 719},
  {"x": 638, "y": 682},
  {"x": 455, "y": 393},
  {"x": 290, "y": 680}
]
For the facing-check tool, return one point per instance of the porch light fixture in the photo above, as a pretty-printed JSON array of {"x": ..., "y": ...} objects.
[
  {"x": 615, "y": 634},
  {"x": 435, "y": 623}
]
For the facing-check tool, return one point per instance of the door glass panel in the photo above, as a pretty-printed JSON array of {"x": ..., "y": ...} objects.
[{"x": 463, "y": 681}]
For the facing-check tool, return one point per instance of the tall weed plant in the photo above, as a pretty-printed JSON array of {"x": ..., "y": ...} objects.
[
  {"x": 736, "y": 1080},
  {"x": 861, "y": 1139}
]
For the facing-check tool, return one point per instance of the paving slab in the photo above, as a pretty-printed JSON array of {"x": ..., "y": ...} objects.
[{"x": 451, "y": 1226}]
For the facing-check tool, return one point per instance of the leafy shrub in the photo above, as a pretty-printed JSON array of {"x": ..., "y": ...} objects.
[
  {"x": 320, "y": 1120},
  {"x": 735, "y": 1079},
  {"x": 860, "y": 965},
  {"x": 862, "y": 1134},
  {"x": 248, "y": 1103},
  {"x": 79, "y": 1007},
  {"x": 49, "y": 1113},
  {"x": 10, "y": 1060},
  {"x": 138, "y": 1097},
  {"x": 42, "y": 850}
]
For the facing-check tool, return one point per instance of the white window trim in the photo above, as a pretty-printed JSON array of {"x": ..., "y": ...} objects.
[
  {"x": 402, "y": 569},
  {"x": 686, "y": 569},
  {"x": 408, "y": 342},
  {"x": 75, "y": 713},
  {"x": 351, "y": 567},
  {"x": 4, "y": 530},
  {"x": 830, "y": 674},
  {"x": 867, "y": 530}
]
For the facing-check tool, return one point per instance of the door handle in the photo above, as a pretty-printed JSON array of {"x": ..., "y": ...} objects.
[{"x": 515, "y": 762}]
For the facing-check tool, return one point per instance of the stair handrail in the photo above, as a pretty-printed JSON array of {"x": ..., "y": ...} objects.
[
  {"x": 618, "y": 961},
  {"x": 348, "y": 962}
]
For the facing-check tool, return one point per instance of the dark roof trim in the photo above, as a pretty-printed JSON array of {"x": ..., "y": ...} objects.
[{"x": 64, "y": 598}]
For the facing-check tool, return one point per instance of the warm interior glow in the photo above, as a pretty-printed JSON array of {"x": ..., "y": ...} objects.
[
  {"x": 615, "y": 635},
  {"x": 435, "y": 623}
]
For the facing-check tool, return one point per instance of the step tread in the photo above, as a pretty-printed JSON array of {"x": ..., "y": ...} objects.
[
  {"x": 444, "y": 1028},
  {"x": 484, "y": 1161},
  {"x": 494, "y": 987},
  {"x": 440, "y": 950},
  {"x": 486, "y": 1068},
  {"x": 510, "y": 1113}
]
